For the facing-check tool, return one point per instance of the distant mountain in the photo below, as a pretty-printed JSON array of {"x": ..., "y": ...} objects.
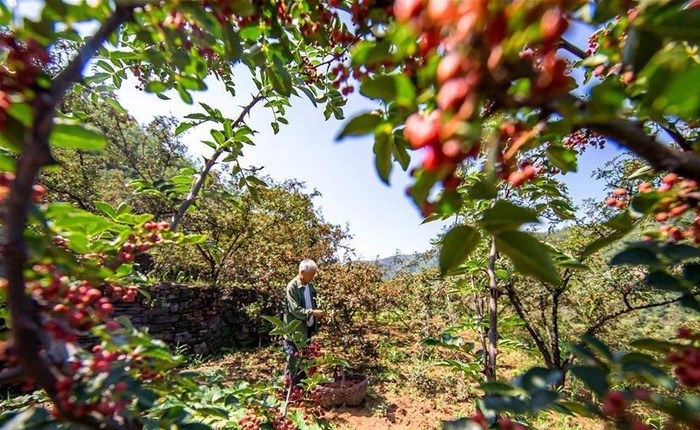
[{"x": 413, "y": 263}]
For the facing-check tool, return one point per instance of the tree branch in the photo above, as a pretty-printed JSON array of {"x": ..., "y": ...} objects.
[
  {"x": 631, "y": 135},
  {"x": 522, "y": 313},
  {"x": 607, "y": 318},
  {"x": 570, "y": 47},
  {"x": 676, "y": 136},
  {"x": 199, "y": 183},
  {"x": 627, "y": 133},
  {"x": 28, "y": 337}
]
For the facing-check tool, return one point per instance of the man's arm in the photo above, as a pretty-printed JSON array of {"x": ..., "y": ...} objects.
[{"x": 295, "y": 308}]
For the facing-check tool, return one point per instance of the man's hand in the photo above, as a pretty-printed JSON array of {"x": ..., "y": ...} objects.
[{"x": 317, "y": 313}]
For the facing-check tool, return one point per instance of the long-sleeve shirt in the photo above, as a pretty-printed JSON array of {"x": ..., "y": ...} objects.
[{"x": 295, "y": 307}]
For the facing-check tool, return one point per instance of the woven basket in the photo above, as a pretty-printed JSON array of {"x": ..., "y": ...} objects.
[{"x": 349, "y": 390}]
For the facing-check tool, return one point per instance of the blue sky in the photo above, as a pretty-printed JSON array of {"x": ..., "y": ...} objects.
[{"x": 381, "y": 218}]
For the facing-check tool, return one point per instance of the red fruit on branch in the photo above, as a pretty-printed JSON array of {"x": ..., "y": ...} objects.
[
  {"x": 428, "y": 41},
  {"x": 421, "y": 131},
  {"x": 442, "y": 12},
  {"x": 614, "y": 404},
  {"x": 670, "y": 178},
  {"x": 453, "y": 93},
  {"x": 552, "y": 26},
  {"x": 405, "y": 10}
]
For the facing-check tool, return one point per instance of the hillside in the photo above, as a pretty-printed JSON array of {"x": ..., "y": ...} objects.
[{"x": 411, "y": 262}]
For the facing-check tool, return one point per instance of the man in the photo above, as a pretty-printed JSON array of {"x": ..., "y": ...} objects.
[{"x": 300, "y": 304}]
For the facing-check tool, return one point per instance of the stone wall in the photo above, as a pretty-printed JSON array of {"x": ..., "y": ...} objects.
[{"x": 180, "y": 315}]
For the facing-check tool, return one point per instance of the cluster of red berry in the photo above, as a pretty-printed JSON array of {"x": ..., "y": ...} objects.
[
  {"x": 582, "y": 139},
  {"x": 503, "y": 422},
  {"x": 110, "y": 403},
  {"x": 20, "y": 69},
  {"x": 6, "y": 180},
  {"x": 107, "y": 402},
  {"x": 616, "y": 406},
  {"x": 687, "y": 360},
  {"x": 255, "y": 417},
  {"x": 75, "y": 305},
  {"x": 312, "y": 351},
  {"x": 678, "y": 196},
  {"x": 619, "y": 198},
  {"x": 470, "y": 37}
]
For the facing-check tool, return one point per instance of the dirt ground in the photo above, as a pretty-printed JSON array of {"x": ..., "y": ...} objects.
[
  {"x": 388, "y": 405},
  {"x": 406, "y": 389}
]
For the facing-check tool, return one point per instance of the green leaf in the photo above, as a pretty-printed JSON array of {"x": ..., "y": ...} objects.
[
  {"x": 504, "y": 216},
  {"x": 564, "y": 158},
  {"x": 640, "y": 47},
  {"x": 184, "y": 94},
  {"x": 654, "y": 345},
  {"x": 541, "y": 399},
  {"x": 483, "y": 189},
  {"x": 155, "y": 87},
  {"x": 77, "y": 136},
  {"x": 571, "y": 263},
  {"x": 622, "y": 224},
  {"x": 664, "y": 281},
  {"x": 457, "y": 244},
  {"x": 361, "y": 124},
  {"x": 194, "y": 238},
  {"x": 421, "y": 187},
  {"x": 645, "y": 171},
  {"x": 7, "y": 163},
  {"x": 400, "y": 150},
  {"x": 279, "y": 77},
  {"x": 232, "y": 44},
  {"x": 390, "y": 88},
  {"x": 679, "y": 252},
  {"x": 496, "y": 387},
  {"x": 576, "y": 408},
  {"x": 607, "y": 99},
  {"x": 594, "y": 377},
  {"x": 506, "y": 403},
  {"x": 634, "y": 256},
  {"x": 383, "y": 147},
  {"x": 645, "y": 203},
  {"x": 251, "y": 33},
  {"x": 106, "y": 208},
  {"x": 183, "y": 126},
  {"x": 680, "y": 23},
  {"x": 22, "y": 112},
  {"x": 528, "y": 255},
  {"x": 538, "y": 378},
  {"x": 595, "y": 344},
  {"x": 607, "y": 9}
]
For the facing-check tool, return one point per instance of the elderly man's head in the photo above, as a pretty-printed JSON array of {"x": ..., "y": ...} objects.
[{"x": 307, "y": 271}]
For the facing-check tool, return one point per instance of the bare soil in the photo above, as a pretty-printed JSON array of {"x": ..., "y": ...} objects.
[
  {"x": 390, "y": 404},
  {"x": 405, "y": 392}
]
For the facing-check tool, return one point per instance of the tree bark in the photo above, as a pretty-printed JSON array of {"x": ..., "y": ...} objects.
[{"x": 492, "y": 353}]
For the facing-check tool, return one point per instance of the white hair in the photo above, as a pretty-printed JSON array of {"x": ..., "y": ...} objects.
[{"x": 308, "y": 266}]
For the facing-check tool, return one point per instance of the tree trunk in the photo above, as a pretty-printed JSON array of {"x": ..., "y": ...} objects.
[{"x": 490, "y": 357}]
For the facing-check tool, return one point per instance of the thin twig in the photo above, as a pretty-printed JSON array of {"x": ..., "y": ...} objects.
[{"x": 568, "y": 46}]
